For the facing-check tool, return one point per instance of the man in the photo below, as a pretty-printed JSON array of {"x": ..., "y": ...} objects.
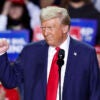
[{"x": 36, "y": 65}]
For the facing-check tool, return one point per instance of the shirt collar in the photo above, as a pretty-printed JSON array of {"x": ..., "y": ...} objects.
[{"x": 65, "y": 44}]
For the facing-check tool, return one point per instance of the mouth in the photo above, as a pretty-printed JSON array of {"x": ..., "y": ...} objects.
[{"x": 48, "y": 38}]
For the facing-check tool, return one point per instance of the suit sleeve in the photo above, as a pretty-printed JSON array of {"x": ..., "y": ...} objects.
[
  {"x": 94, "y": 77},
  {"x": 11, "y": 75}
]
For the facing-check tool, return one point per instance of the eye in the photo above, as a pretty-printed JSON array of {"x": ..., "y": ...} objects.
[
  {"x": 43, "y": 28},
  {"x": 49, "y": 28}
]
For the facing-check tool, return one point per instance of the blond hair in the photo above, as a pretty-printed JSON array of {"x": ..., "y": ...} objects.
[{"x": 51, "y": 12}]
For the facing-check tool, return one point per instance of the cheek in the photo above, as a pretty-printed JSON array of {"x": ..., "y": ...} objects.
[
  {"x": 58, "y": 35},
  {"x": 18, "y": 13},
  {"x": 15, "y": 14},
  {"x": 11, "y": 12}
]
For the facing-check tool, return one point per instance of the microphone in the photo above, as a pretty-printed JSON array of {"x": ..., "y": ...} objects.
[
  {"x": 60, "y": 62},
  {"x": 61, "y": 55}
]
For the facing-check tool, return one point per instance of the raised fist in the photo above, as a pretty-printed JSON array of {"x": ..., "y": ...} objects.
[{"x": 3, "y": 46}]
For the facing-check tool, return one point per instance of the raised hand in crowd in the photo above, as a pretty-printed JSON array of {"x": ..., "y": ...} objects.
[{"x": 6, "y": 7}]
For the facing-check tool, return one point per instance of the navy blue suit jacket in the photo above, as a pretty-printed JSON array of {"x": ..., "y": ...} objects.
[{"x": 81, "y": 82}]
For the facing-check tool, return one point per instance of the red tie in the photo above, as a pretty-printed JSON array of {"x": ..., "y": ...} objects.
[{"x": 53, "y": 79}]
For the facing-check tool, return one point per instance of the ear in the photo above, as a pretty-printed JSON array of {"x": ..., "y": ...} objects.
[{"x": 65, "y": 28}]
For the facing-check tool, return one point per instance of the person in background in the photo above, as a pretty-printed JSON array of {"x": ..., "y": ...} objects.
[
  {"x": 15, "y": 16},
  {"x": 34, "y": 13},
  {"x": 97, "y": 4},
  {"x": 44, "y": 3},
  {"x": 83, "y": 9},
  {"x": 39, "y": 64}
]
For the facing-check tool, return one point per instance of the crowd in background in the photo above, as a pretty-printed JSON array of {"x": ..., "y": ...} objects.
[
  {"x": 24, "y": 14},
  {"x": 19, "y": 14}
]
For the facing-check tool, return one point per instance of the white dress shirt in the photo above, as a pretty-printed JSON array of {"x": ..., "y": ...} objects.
[{"x": 51, "y": 52}]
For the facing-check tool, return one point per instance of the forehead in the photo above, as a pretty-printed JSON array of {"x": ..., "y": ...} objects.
[{"x": 53, "y": 21}]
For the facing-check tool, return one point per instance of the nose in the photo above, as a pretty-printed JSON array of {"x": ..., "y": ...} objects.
[{"x": 46, "y": 32}]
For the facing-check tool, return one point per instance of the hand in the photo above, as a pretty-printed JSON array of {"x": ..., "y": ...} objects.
[
  {"x": 2, "y": 94},
  {"x": 6, "y": 7},
  {"x": 3, "y": 46}
]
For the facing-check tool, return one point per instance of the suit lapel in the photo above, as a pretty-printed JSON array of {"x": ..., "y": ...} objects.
[
  {"x": 71, "y": 62},
  {"x": 44, "y": 61}
]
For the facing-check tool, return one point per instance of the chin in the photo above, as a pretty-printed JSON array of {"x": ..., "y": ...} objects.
[{"x": 50, "y": 43}]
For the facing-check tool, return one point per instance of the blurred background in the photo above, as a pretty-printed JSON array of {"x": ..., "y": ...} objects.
[{"x": 20, "y": 24}]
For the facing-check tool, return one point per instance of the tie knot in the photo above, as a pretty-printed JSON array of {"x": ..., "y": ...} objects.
[{"x": 57, "y": 48}]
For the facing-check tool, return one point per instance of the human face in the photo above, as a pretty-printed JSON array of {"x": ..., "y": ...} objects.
[
  {"x": 54, "y": 32},
  {"x": 15, "y": 12}
]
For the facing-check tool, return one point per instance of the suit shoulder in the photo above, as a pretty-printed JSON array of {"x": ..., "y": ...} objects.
[
  {"x": 36, "y": 44},
  {"x": 81, "y": 45}
]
